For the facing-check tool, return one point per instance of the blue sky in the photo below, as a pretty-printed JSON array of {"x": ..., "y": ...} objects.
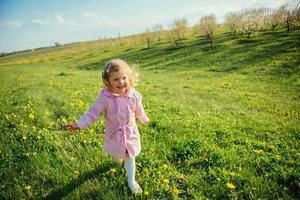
[{"x": 26, "y": 24}]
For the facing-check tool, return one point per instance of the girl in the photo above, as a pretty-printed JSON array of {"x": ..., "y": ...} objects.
[{"x": 120, "y": 104}]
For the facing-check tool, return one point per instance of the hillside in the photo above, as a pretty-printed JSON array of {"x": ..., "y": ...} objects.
[{"x": 224, "y": 120}]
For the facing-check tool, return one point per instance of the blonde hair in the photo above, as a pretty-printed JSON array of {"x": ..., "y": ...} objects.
[{"x": 116, "y": 65}]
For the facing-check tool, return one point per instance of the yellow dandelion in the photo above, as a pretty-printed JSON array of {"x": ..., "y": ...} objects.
[
  {"x": 27, "y": 187},
  {"x": 230, "y": 186},
  {"x": 46, "y": 113},
  {"x": 24, "y": 137},
  {"x": 146, "y": 193},
  {"x": 113, "y": 170},
  {"x": 176, "y": 191},
  {"x": 277, "y": 157},
  {"x": 166, "y": 181},
  {"x": 31, "y": 116},
  {"x": 258, "y": 151},
  {"x": 271, "y": 147}
]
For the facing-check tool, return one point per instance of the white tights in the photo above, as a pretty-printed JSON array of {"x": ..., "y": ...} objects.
[{"x": 130, "y": 169}]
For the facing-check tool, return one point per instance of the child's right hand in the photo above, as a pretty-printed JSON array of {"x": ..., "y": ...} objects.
[{"x": 71, "y": 127}]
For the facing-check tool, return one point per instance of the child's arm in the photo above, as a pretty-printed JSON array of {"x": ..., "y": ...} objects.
[
  {"x": 92, "y": 114},
  {"x": 71, "y": 127},
  {"x": 89, "y": 117},
  {"x": 139, "y": 111}
]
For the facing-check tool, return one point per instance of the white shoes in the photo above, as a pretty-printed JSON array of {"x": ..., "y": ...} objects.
[{"x": 135, "y": 188}]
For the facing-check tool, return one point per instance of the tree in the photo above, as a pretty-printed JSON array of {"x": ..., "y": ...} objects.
[
  {"x": 275, "y": 19},
  {"x": 178, "y": 30},
  {"x": 249, "y": 22},
  {"x": 289, "y": 13},
  {"x": 158, "y": 30},
  {"x": 148, "y": 36},
  {"x": 208, "y": 24},
  {"x": 233, "y": 22}
]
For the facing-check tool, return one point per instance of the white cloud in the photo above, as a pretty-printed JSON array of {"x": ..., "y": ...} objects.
[
  {"x": 40, "y": 22},
  {"x": 57, "y": 19},
  {"x": 11, "y": 24},
  {"x": 60, "y": 20}
]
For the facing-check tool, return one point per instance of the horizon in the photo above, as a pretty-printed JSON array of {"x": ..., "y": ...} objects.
[{"x": 50, "y": 22}]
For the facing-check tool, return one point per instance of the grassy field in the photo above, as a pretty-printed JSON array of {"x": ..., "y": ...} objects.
[{"x": 225, "y": 120}]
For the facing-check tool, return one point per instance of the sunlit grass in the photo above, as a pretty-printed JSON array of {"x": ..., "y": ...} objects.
[{"x": 225, "y": 121}]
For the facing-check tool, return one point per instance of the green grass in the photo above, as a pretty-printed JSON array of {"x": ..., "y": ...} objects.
[{"x": 226, "y": 114}]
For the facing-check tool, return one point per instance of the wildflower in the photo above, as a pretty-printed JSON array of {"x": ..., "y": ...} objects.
[
  {"x": 146, "y": 193},
  {"x": 271, "y": 147},
  {"x": 113, "y": 170},
  {"x": 258, "y": 151},
  {"x": 165, "y": 166},
  {"x": 27, "y": 187},
  {"x": 277, "y": 157},
  {"x": 230, "y": 186},
  {"x": 175, "y": 191},
  {"x": 166, "y": 181},
  {"x": 46, "y": 113},
  {"x": 24, "y": 137},
  {"x": 31, "y": 116}
]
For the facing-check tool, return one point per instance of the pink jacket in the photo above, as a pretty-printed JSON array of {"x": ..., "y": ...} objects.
[{"x": 121, "y": 133}]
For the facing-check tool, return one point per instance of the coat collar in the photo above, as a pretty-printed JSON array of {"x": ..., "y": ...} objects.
[{"x": 128, "y": 94}]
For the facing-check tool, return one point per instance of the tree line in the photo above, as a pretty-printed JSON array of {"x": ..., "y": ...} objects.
[{"x": 247, "y": 21}]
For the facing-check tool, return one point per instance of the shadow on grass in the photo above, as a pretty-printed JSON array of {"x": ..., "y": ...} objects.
[{"x": 75, "y": 183}]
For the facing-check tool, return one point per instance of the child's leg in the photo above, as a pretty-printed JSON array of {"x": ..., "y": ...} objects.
[{"x": 130, "y": 170}]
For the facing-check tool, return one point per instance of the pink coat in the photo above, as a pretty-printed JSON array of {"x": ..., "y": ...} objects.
[{"x": 121, "y": 134}]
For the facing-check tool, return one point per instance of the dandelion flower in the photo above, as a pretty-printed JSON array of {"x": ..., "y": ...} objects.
[
  {"x": 176, "y": 191},
  {"x": 146, "y": 193},
  {"x": 258, "y": 151},
  {"x": 166, "y": 181},
  {"x": 277, "y": 157},
  {"x": 31, "y": 116},
  {"x": 113, "y": 170},
  {"x": 27, "y": 187},
  {"x": 230, "y": 186}
]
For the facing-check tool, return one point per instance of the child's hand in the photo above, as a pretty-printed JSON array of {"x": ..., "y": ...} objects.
[
  {"x": 147, "y": 122},
  {"x": 72, "y": 127}
]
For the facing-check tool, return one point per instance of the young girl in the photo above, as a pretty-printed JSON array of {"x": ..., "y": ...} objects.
[{"x": 120, "y": 104}]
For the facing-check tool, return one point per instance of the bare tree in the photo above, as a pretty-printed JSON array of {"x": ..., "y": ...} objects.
[
  {"x": 275, "y": 19},
  {"x": 289, "y": 13},
  {"x": 158, "y": 31},
  {"x": 147, "y": 35},
  {"x": 178, "y": 30},
  {"x": 233, "y": 21},
  {"x": 208, "y": 25}
]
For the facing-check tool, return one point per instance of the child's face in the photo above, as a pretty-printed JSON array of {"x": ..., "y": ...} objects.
[{"x": 118, "y": 82}]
